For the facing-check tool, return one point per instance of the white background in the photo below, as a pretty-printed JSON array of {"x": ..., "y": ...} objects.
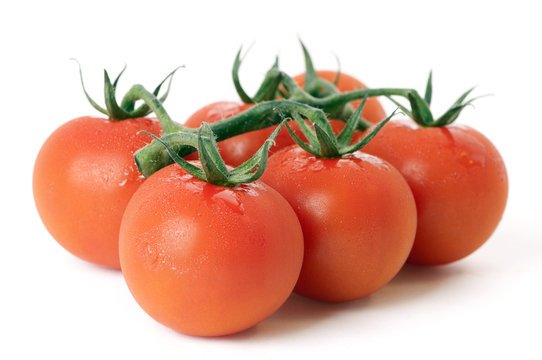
[{"x": 53, "y": 305}]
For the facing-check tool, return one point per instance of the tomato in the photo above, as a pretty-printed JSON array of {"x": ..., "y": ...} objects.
[
  {"x": 83, "y": 177},
  {"x": 209, "y": 260},
  {"x": 458, "y": 179},
  {"x": 373, "y": 110},
  {"x": 358, "y": 218}
]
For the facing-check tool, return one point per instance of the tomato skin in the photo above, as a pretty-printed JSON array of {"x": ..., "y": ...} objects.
[
  {"x": 358, "y": 218},
  {"x": 373, "y": 110},
  {"x": 83, "y": 177},
  {"x": 458, "y": 179},
  {"x": 208, "y": 260},
  {"x": 240, "y": 148}
]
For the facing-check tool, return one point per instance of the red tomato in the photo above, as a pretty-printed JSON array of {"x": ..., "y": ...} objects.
[
  {"x": 458, "y": 179},
  {"x": 240, "y": 148},
  {"x": 373, "y": 110},
  {"x": 83, "y": 178},
  {"x": 209, "y": 260},
  {"x": 358, "y": 218}
]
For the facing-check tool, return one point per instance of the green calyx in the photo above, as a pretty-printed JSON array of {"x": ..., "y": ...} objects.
[
  {"x": 268, "y": 89},
  {"x": 420, "y": 110},
  {"x": 317, "y": 92},
  {"x": 138, "y": 92},
  {"x": 298, "y": 104},
  {"x": 126, "y": 109},
  {"x": 324, "y": 95},
  {"x": 213, "y": 168},
  {"x": 323, "y": 143},
  {"x": 315, "y": 85}
]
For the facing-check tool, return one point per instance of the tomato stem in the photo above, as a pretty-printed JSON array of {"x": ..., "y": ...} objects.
[
  {"x": 154, "y": 156},
  {"x": 126, "y": 110},
  {"x": 268, "y": 113},
  {"x": 213, "y": 168},
  {"x": 269, "y": 87},
  {"x": 318, "y": 87},
  {"x": 324, "y": 95},
  {"x": 317, "y": 92},
  {"x": 323, "y": 143},
  {"x": 138, "y": 92},
  {"x": 335, "y": 104}
]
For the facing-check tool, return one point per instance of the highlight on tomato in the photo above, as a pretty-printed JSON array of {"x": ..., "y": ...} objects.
[
  {"x": 456, "y": 174},
  {"x": 208, "y": 250},
  {"x": 357, "y": 212},
  {"x": 85, "y": 174}
]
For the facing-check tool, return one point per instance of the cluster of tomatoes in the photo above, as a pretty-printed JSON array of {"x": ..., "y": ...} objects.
[{"x": 216, "y": 257}]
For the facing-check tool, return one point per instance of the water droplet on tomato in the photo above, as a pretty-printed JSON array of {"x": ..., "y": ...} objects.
[
  {"x": 231, "y": 200},
  {"x": 470, "y": 160}
]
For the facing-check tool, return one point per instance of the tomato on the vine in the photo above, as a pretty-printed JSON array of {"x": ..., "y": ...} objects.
[
  {"x": 240, "y": 148},
  {"x": 205, "y": 259},
  {"x": 85, "y": 172},
  {"x": 83, "y": 177},
  {"x": 458, "y": 179}
]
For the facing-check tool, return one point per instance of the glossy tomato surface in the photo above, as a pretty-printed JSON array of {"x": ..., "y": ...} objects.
[
  {"x": 373, "y": 110},
  {"x": 358, "y": 218},
  {"x": 84, "y": 176},
  {"x": 208, "y": 260},
  {"x": 240, "y": 148},
  {"x": 458, "y": 179}
]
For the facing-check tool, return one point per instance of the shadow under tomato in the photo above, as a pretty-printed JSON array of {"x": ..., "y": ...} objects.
[
  {"x": 300, "y": 313},
  {"x": 415, "y": 281}
]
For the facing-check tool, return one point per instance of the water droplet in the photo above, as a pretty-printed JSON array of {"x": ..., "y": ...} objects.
[
  {"x": 230, "y": 198},
  {"x": 469, "y": 160}
]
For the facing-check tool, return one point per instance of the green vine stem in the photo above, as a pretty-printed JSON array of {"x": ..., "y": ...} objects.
[
  {"x": 154, "y": 156},
  {"x": 213, "y": 168},
  {"x": 128, "y": 102},
  {"x": 138, "y": 92},
  {"x": 335, "y": 104},
  {"x": 324, "y": 95},
  {"x": 267, "y": 113}
]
